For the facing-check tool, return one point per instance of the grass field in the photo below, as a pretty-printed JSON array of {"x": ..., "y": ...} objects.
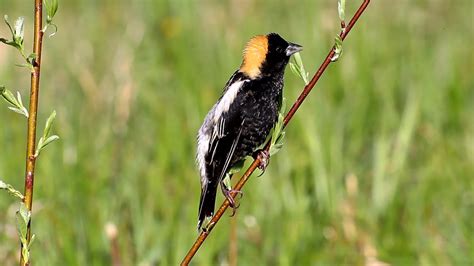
[{"x": 378, "y": 164}]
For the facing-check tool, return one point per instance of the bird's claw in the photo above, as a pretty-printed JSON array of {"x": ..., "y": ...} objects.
[
  {"x": 264, "y": 158},
  {"x": 228, "y": 194}
]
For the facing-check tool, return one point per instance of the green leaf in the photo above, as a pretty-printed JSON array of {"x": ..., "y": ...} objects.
[
  {"x": 341, "y": 6},
  {"x": 25, "y": 213},
  {"x": 337, "y": 49},
  {"x": 16, "y": 102},
  {"x": 49, "y": 123},
  {"x": 298, "y": 68},
  {"x": 33, "y": 237},
  {"x": 8, "y": 96},
  {"x": 22, "y": 219},
  {"x": 18, "y": 97},
  {"x": 294, "y": 68},
  {"x": 25, "y": 65},
  {"x": 42, "y": 143},
  {"x": 5, "y": 18},
  {"x": 46, "y": 139},
  {"x": 19, "y": 31},
  {"x": 299, "y": 61},
  {"x": 11, "y": 190},
  {"x": 278, "y": 134},
  {"x": 51, "y": 9},
  {"x": 276, "y": 147},
  {"x": 49, "y": 140},
  {"x": 18, "y": 111}
]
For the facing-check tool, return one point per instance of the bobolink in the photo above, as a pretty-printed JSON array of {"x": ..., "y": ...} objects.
[{"x": 243, "y": 116}]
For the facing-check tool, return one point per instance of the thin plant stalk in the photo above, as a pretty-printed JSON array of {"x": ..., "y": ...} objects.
[
  {"x": 33, "y": 113},
  {"x": 233, "y": 242},
  {"x": 307, "y": 89}
]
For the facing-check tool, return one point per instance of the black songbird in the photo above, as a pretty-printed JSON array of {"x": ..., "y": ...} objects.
[{"x": 243, "y": 116}]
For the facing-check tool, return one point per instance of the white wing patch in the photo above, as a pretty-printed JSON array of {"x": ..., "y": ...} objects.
[
  {"x": 202, "y": 149},
  {"x": 227, "y": 99},
  {"x": 213, "y": 127}
]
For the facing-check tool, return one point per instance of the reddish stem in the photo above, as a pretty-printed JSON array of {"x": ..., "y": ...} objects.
[{"x": 32, "y": 118}]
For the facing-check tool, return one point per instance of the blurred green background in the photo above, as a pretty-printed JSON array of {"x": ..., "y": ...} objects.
[{"x": 378, "y": 164}]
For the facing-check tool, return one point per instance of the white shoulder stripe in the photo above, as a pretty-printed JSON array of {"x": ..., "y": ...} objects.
[
  {"x": 227, "y": 99},
  {"x": 202, "y": 149}
]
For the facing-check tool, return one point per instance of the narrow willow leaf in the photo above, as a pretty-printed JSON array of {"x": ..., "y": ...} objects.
[
  {"x": 49, "y": 140},
  {"x": 275, "y": 148},
  {"x": 51, "y": 9},
  {"x": 42, "y": 143},
  {"x": 341, "y": 6},
  {"x": 298, "y": 59},
  {"x": 10, "y": 189},
  {"x": 49, "y": 123},
  {"x": 9, "y": 97},
  {"x": 18, "y": 97},
  {"x": 19, "y": 111},
  {"x": 24, "y": 212},
  {"x": 337, "y": 49},
  {"x": 294, "y": 68},
  {"x": 33, "y": 237},
  {"x": 22, "y": 220},
  {"x": 298, "y": 68},
  {"x": 278, "y": 134},
  {"x": 19, "y": 31},
  {"x": 5, "y": 18}
]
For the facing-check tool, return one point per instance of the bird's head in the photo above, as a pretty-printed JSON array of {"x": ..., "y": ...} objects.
[{"x": 266, "y": 55}]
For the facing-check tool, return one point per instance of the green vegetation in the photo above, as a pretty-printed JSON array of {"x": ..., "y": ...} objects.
[{"x": 377, "y": 165}]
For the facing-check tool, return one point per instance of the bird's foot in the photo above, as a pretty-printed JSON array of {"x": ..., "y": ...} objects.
[
  {"x": 228, "y": 195},
  {"x": 264, "y": 158}
]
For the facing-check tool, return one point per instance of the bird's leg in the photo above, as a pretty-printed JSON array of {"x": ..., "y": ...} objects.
[
  {"x": 227, "y": 191},
  {"x": 264, "y": 158}
]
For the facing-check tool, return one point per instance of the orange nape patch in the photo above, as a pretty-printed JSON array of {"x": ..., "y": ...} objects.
[{"x": 254, "y": 55}]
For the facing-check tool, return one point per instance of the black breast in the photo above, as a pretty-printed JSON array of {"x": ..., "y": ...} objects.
[{"x": 259, "y": 109}]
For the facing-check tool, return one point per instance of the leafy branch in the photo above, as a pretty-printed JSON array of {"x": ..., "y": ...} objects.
[
  {"x": 307, "y": 89},
  {"x": 23, "y": 218},
  {"x": 51, "y": 9},
  {"x": 33, "y": 62},
  {"x": 341, "y": 7},
  {"x": 18, "y": 33},
  {"x": 46, "y": 138},
  {"x": 17, "y": 103}
]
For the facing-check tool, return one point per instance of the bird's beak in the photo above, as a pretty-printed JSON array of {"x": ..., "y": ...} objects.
[{"x": 293, "y": 48}]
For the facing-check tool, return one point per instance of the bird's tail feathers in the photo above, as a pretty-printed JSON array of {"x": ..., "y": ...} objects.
[{"x": 207, "y": 203}]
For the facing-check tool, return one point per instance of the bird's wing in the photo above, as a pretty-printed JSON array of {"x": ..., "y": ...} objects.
[
  {"x": 226, "y": 123},
  {"x": 223, "y": 114}
]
